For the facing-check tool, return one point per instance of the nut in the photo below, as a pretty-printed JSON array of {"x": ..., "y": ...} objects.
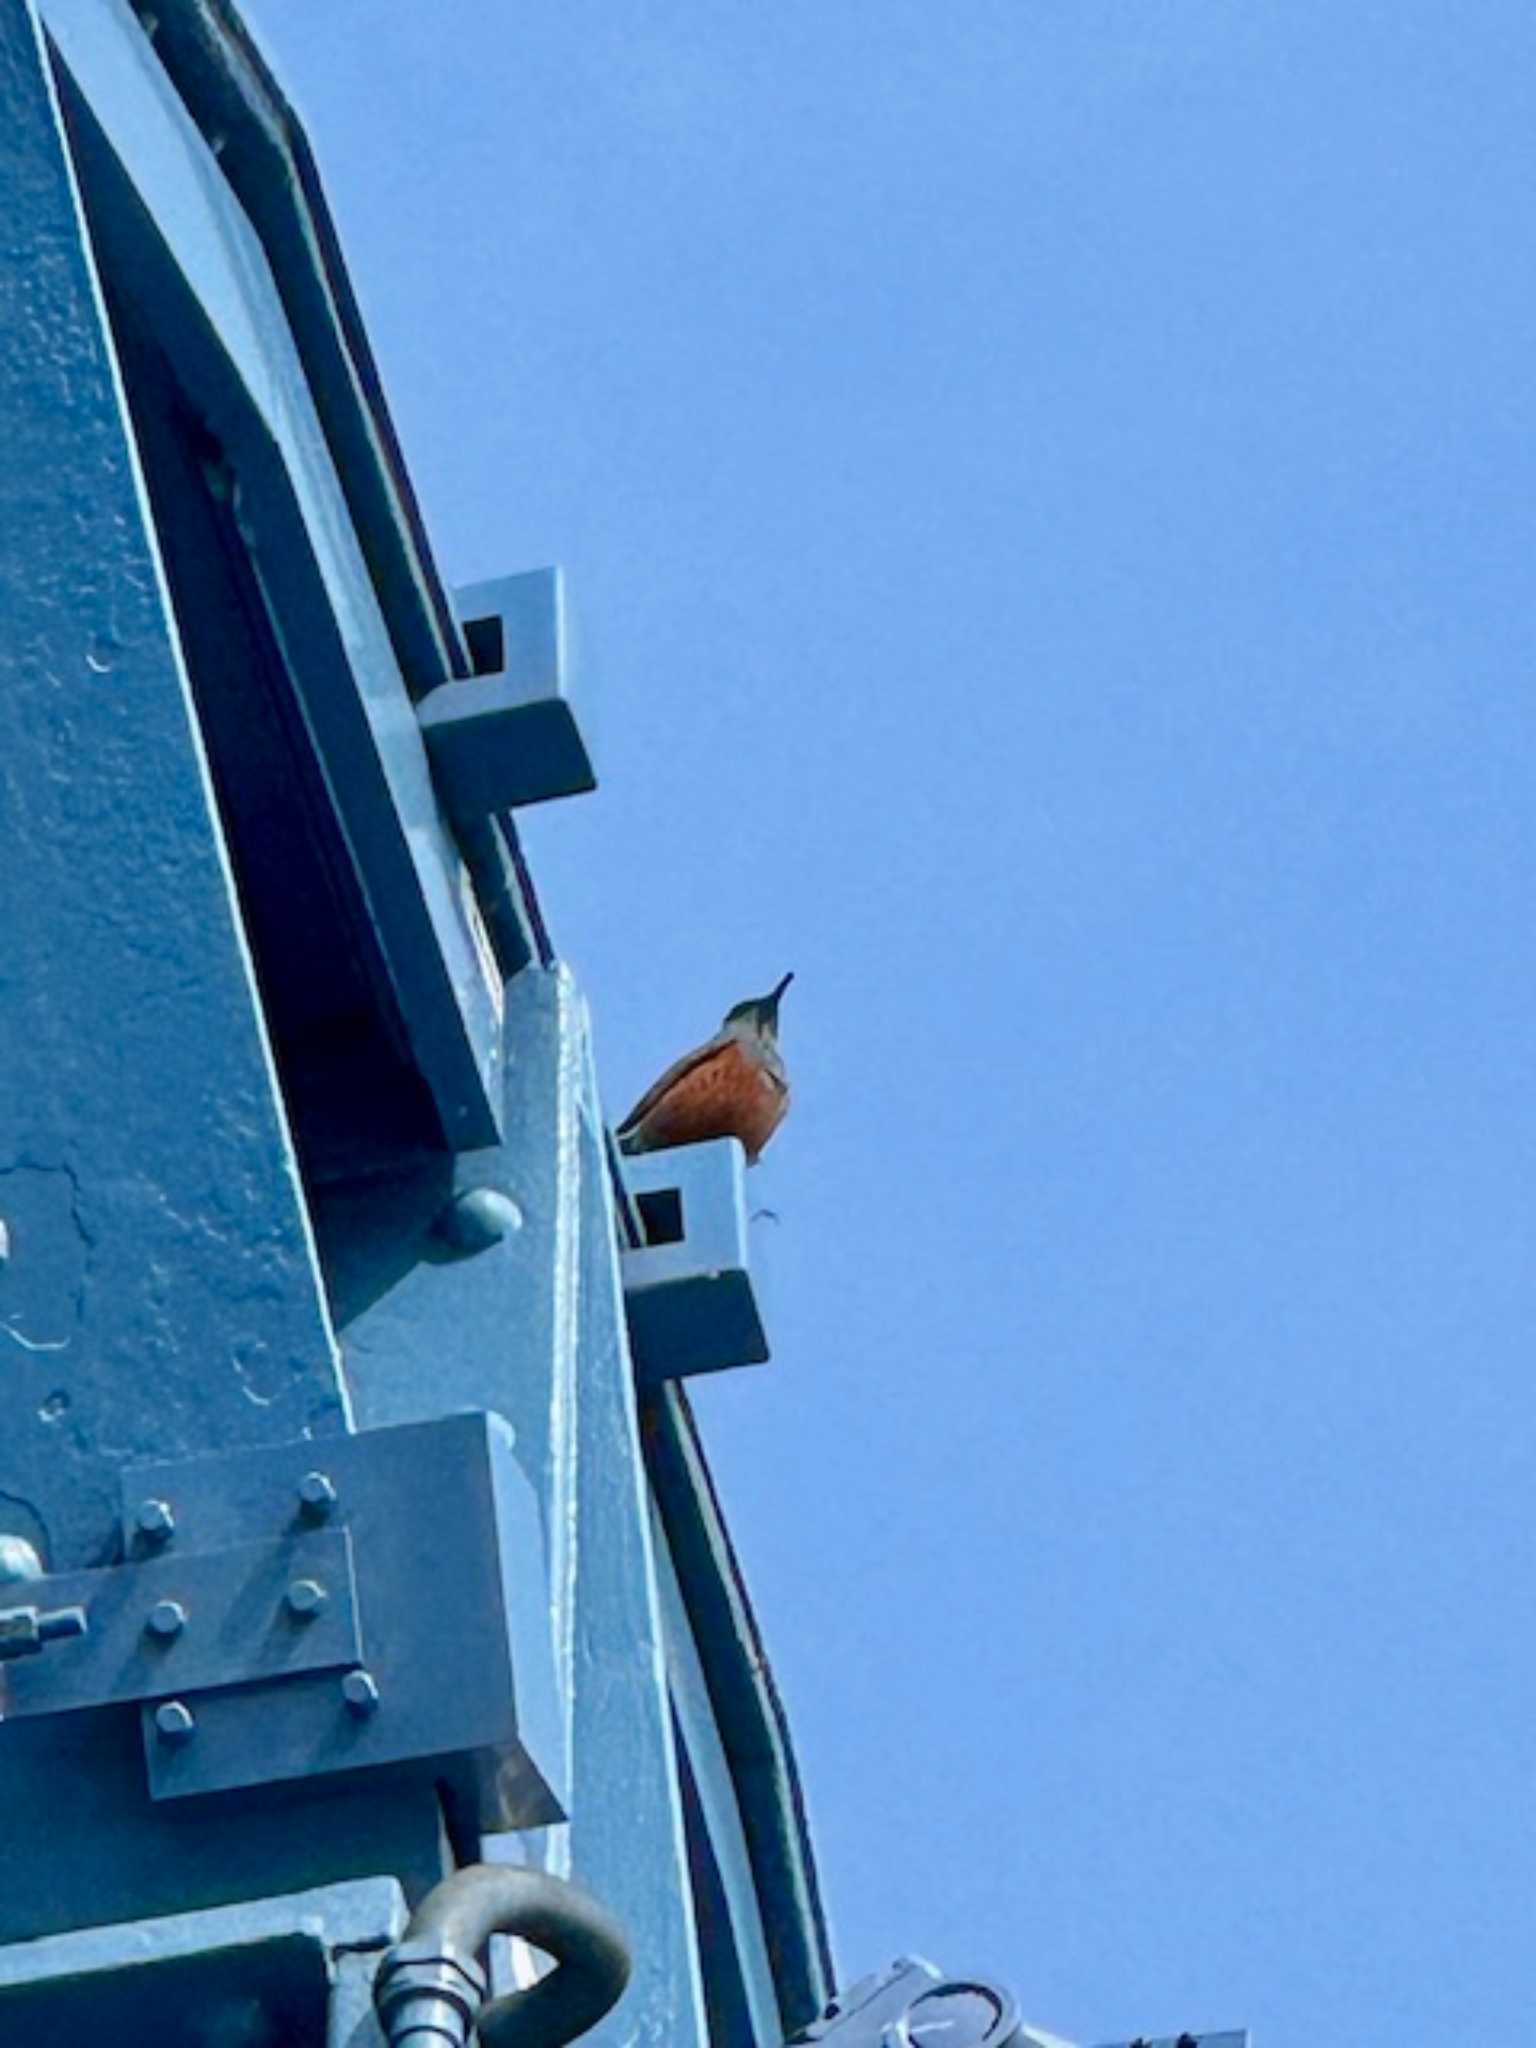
[
  {"x": 174, "y": 1721},
  {"x": 167, "y": 1618},
  {"x": 154, "y": 1521}
]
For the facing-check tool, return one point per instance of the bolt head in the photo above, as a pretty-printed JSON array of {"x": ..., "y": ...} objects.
[
  {"x": 154, "y": 1521},
  {"x": 477, "y": 1218},
  {"x": 19, "y": 1561},
  {"x": 360, "y": 1690},
  {"x": 317, "y": 1496},
  {"x": 305, "y": 1598},
  {"x": 167, "y": 1618},
  {"x": 174, "y": 1721}
]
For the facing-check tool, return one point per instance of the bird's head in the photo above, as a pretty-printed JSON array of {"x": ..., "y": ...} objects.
[{"x": 758, "y": 1013}]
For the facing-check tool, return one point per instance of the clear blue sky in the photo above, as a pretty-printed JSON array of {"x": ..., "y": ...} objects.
[{"x": 1047, "y": 485}]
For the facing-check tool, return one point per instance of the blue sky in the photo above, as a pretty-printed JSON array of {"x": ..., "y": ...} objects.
[{"x": 1046, "y": 485}]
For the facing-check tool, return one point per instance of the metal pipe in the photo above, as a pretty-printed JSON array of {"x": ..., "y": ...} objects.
[{"x": 430, "y": 1988}]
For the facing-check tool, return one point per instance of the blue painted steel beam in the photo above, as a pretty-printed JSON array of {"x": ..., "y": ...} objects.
[
  {"x": 736, "y": 1951},
  {"x": 160, "y": 1297},
  {"x": 222, "y": 80},
  {"x": 160, "y": 1294},
  {"x": 754, "y": 1733},
  {"x": 531, "y": 1323},
  {"x": 177, "y": 246}
]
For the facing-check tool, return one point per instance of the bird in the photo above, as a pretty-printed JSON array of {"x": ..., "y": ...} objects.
[{"x": 732, "y": 1086}]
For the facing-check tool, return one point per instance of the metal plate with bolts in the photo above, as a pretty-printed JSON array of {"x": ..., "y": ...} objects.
[
  {"x": 183, "y": 1621},
  {"x": 452, "y": 1607}
]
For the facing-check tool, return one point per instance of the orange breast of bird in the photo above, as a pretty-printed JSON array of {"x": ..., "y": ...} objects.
[{"x": 725, "y": 1093}]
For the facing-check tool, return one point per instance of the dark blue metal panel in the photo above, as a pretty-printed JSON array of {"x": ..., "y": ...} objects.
[
  {"x": 160, "y": 1294},
  {"x": 277, "y": 1969},
  {"x": 182, "y": 1623},
  {"x": 160, "y": 1297},
  {"x": 451, "y": 1608},
  {"x": 182, "y": 257}
]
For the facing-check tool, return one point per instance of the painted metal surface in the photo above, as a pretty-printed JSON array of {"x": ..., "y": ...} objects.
[
  {"x": 167, "y": 1290},
  {"x": 538, "y": 1333},
  {"x": 911, "y": 2001},
  {"x": 221, "y": 78},
  {"x": 741, "y": 1945},
  {"x": 507, "y": 735},
  {"x": 359, "y": 710},
  {"x": 273, "y": 1968},
  {"x": 187, "y": 1622},
  {"x": 688, "y": 1291},
  {"x": 443, "y": 1534},
  {"x": 746, "y": 1707},
  {"x": 160, "y": 1295}
]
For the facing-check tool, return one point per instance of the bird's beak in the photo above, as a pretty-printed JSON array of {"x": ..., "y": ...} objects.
[{"x": 768, "y": 1007}]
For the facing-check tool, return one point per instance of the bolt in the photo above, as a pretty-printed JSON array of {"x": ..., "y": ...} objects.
[
  {"x": 317, "y": 1496},
  {"x": 174, "y": 1721},
  {"x": 155, "y": 1522},
  {"x": 361, "y": 1692},
  {"x": 61, "y": 1624},
  {"x": 19, "y": 1561},
  {"x": 167, "y": 1618},
  {"x": 477, "y": 1218},
  {"x": 305, "y": 1599}
]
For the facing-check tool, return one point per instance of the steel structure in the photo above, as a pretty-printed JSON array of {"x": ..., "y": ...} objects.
[{"x": 361, "y": 1579}]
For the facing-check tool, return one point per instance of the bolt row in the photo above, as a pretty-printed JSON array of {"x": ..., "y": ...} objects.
[
  {"x": 304, "y": 1599},
  {"x": 175, "y": 1722},
  {"x": 155, "y": 1521}
]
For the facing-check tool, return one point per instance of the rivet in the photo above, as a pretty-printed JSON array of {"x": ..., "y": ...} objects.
[
  {"x": 155, "y": 1522},
  {"x": 167, "y": 1618},
  {"x": 305, "y": 1598},
  {"x": 317, "y": 1496},
  {"x": 361, "y": 1692},
  {"x": 174, "y": 1722}
]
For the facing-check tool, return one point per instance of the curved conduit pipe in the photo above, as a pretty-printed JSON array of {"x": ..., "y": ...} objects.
[{"x": 430, "y": 1988}]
